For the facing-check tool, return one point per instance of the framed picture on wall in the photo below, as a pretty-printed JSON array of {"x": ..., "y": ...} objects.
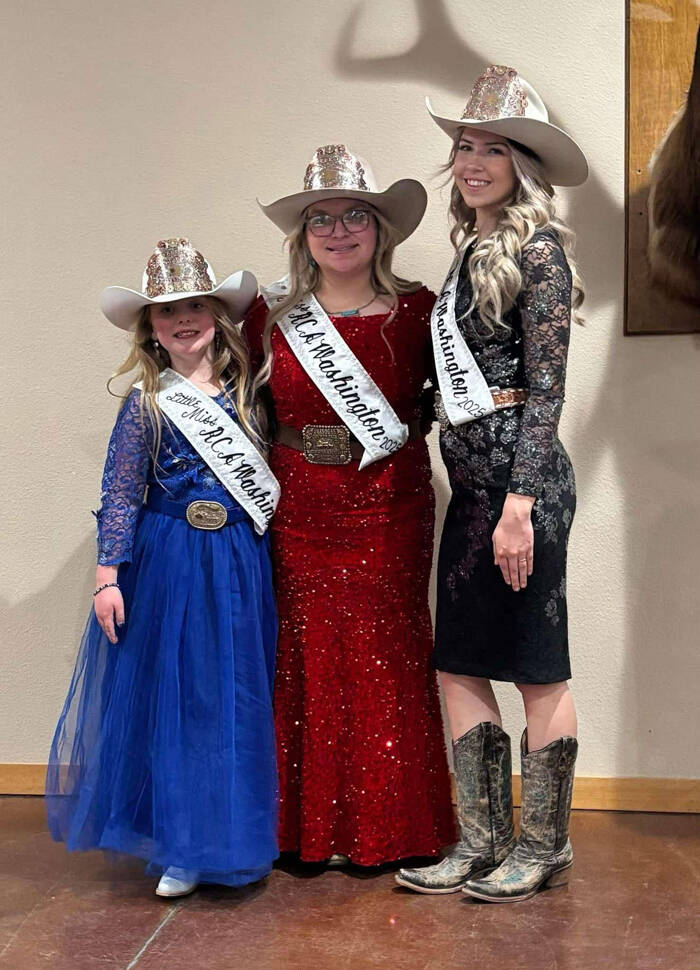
[{"x": 662, "y": 293}]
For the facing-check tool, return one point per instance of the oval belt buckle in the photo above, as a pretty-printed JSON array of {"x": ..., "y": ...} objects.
[{"x": 206, "y": 515}]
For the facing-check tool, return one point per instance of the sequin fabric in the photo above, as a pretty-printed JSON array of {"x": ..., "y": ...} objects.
[
  {"x": 497, "y": 93},
  {"x": 483, "y": 627},
  {"x": 334, "y": 167},
  {"x": 129, "y": 469},
  {"x": 361, "y": 754},
  {"x": 176, "y": 267}
]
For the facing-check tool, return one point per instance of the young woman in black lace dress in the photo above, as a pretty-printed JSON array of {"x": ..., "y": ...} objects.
[{"x": 501, "y": 334}]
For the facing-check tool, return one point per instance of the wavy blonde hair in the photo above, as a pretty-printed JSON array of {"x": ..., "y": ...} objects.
[
  {"x": 304, "y": 278},
  {"x": 231, "y": 368},
  {"x": 494, "y": 265}
]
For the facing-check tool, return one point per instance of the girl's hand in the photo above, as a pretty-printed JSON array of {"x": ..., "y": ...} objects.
[
  {"x": 513, "y": 540},
  {"x": 109, "y": 607}
]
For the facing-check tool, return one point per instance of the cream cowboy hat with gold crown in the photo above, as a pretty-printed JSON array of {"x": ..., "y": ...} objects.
[
  {"x": 177, "y": 271},
  {"x": 335, "y": 172},
  {"x": 503, "y": 102}
]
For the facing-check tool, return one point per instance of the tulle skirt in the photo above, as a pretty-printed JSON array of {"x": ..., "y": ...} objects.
[{"x": 165, "y": 747}]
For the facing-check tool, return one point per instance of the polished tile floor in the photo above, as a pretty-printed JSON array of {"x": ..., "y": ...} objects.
[{"x": 633, "y": 904}]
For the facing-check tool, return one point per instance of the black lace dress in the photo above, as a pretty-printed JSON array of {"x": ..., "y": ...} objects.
[{"x": 484, "y": 628}]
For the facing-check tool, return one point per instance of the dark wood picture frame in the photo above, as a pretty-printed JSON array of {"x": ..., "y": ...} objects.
[{"x": 661, "y": 36}]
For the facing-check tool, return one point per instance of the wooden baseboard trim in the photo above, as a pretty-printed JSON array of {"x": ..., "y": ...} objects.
[
  {"x": 22, "y": 779},
  {"x": 630, "y": 794},
  {"x": 600, "y": 794}
]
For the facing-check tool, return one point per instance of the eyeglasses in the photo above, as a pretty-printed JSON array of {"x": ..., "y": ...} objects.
[{"x": 323, "y": 224}]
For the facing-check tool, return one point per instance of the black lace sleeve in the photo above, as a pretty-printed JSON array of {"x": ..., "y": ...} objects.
[{"x": 545, "y": 312}]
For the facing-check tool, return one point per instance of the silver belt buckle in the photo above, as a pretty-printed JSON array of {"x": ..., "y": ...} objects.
[
  {"x": 206, "y": 515},
  {"x": 326, "y": 444}
]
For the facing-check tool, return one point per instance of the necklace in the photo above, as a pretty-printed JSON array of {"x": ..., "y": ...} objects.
[{"x": 353, "y": 312}]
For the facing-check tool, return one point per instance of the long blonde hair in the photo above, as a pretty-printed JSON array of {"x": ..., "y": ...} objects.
[
  {"x": 494, "y": 264},
  {"x": 304, "y": 278},
  {"x": 231, "y": 368}
]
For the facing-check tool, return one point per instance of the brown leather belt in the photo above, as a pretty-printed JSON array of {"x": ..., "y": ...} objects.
[
  {"x": 508, "y": 397},
  {"x": 329, "y": 444},
  {"x": 503, "y": 397}
]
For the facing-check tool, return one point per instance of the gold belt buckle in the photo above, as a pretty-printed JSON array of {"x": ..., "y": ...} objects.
[
  {"x": 326, "y": 444},
  {"x": 206, "y": 515}
]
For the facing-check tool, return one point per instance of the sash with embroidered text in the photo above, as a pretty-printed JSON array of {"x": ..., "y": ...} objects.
[
  {"x": 339, "y": 376},
  {"x": 465, "y": 393},
  {"x": 221, "y": 443}
]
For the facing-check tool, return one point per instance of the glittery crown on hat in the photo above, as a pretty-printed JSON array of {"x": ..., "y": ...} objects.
[
  {"x": 497, "y": 93},
  {"x": 504, "y": 103},
  {"x": 176, "y": 267},
  {"x": 334, "y": 167}
]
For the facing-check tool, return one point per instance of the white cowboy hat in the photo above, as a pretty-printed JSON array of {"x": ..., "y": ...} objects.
[
  {"x": 176, "y": 271},
  {"x": 335, "y": 172},
  {"x": 503, "y": 102}
]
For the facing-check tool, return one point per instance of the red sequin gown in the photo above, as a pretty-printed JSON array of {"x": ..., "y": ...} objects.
[{"x": 361, "y": 753}]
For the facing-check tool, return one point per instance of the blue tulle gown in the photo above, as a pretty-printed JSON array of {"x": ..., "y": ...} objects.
[{"x": 165, "y": 746}]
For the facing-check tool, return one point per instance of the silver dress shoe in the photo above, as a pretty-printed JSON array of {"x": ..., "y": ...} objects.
[
  {"x": 482, "y": 767},
  {"x": 177, "y": 882},
  {"x": 543, "y": 856}
]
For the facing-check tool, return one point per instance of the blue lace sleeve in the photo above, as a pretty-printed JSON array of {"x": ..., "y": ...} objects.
[{"x": 123, "y": 484}]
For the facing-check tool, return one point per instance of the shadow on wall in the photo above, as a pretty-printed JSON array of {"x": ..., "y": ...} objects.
[
  {"x": 440, "y": 58},
  {"x": 72, "y": 586},
  {"x": 612, "y": 433},
  {"x": 61, "y": 605}
]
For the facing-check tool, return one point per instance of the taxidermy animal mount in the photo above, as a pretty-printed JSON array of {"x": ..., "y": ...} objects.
[{"x": 674, "y": 200}]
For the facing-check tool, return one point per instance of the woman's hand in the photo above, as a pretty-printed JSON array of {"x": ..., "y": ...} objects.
[
  {"x": 513, "y": 540},
  {"x": 109, "y": 604}
]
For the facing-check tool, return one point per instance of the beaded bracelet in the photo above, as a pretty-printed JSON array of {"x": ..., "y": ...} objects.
[{"x": 106, "y": 586}]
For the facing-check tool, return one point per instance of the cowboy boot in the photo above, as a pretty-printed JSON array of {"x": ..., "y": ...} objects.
[
  {"x": 484, "y": 812},
  {"x": 542, "y": 856}
]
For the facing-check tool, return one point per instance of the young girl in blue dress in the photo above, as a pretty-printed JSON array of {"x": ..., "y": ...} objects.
[{"x": 165, "y": 746}]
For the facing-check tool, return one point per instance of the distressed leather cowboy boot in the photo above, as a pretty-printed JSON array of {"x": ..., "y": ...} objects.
[
  {"x": 542, "y": 856},
  {"x": 484, "y": 810}
]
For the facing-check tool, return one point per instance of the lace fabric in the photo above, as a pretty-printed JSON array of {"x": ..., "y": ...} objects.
[
  {"x": 545, "y": 313},
  {"x": 124, "y": 481},
  {"x": 165, "y": 747},
  {"x": 514, "y": 448},
  {"x": 483, "y": 629},
  {"x": 129, "y": 468}
]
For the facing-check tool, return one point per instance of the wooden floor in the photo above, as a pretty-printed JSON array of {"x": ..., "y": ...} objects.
[{"x": 632, "y": 904}]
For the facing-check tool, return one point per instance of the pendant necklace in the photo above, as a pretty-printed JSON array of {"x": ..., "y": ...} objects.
[{"x": 355, "y": 311}]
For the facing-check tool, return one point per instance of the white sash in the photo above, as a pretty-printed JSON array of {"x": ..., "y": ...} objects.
[
  {"x": 339, "y": 376},
  {"x": 219, "y": 441},
  {"x": 465, "y": 393}
]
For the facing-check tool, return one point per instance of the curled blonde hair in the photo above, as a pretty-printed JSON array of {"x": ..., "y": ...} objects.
[
  {"x": 304, "y": 278},
  {"x": 230, "y": 367},
  {"x": 494, "y": 264}
]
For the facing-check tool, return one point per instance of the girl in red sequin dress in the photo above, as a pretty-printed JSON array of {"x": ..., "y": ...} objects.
[{"x": 363, "y": 772}]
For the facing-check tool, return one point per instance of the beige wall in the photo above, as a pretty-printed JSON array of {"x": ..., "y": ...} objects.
[{"x": 129, "y": 121}]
